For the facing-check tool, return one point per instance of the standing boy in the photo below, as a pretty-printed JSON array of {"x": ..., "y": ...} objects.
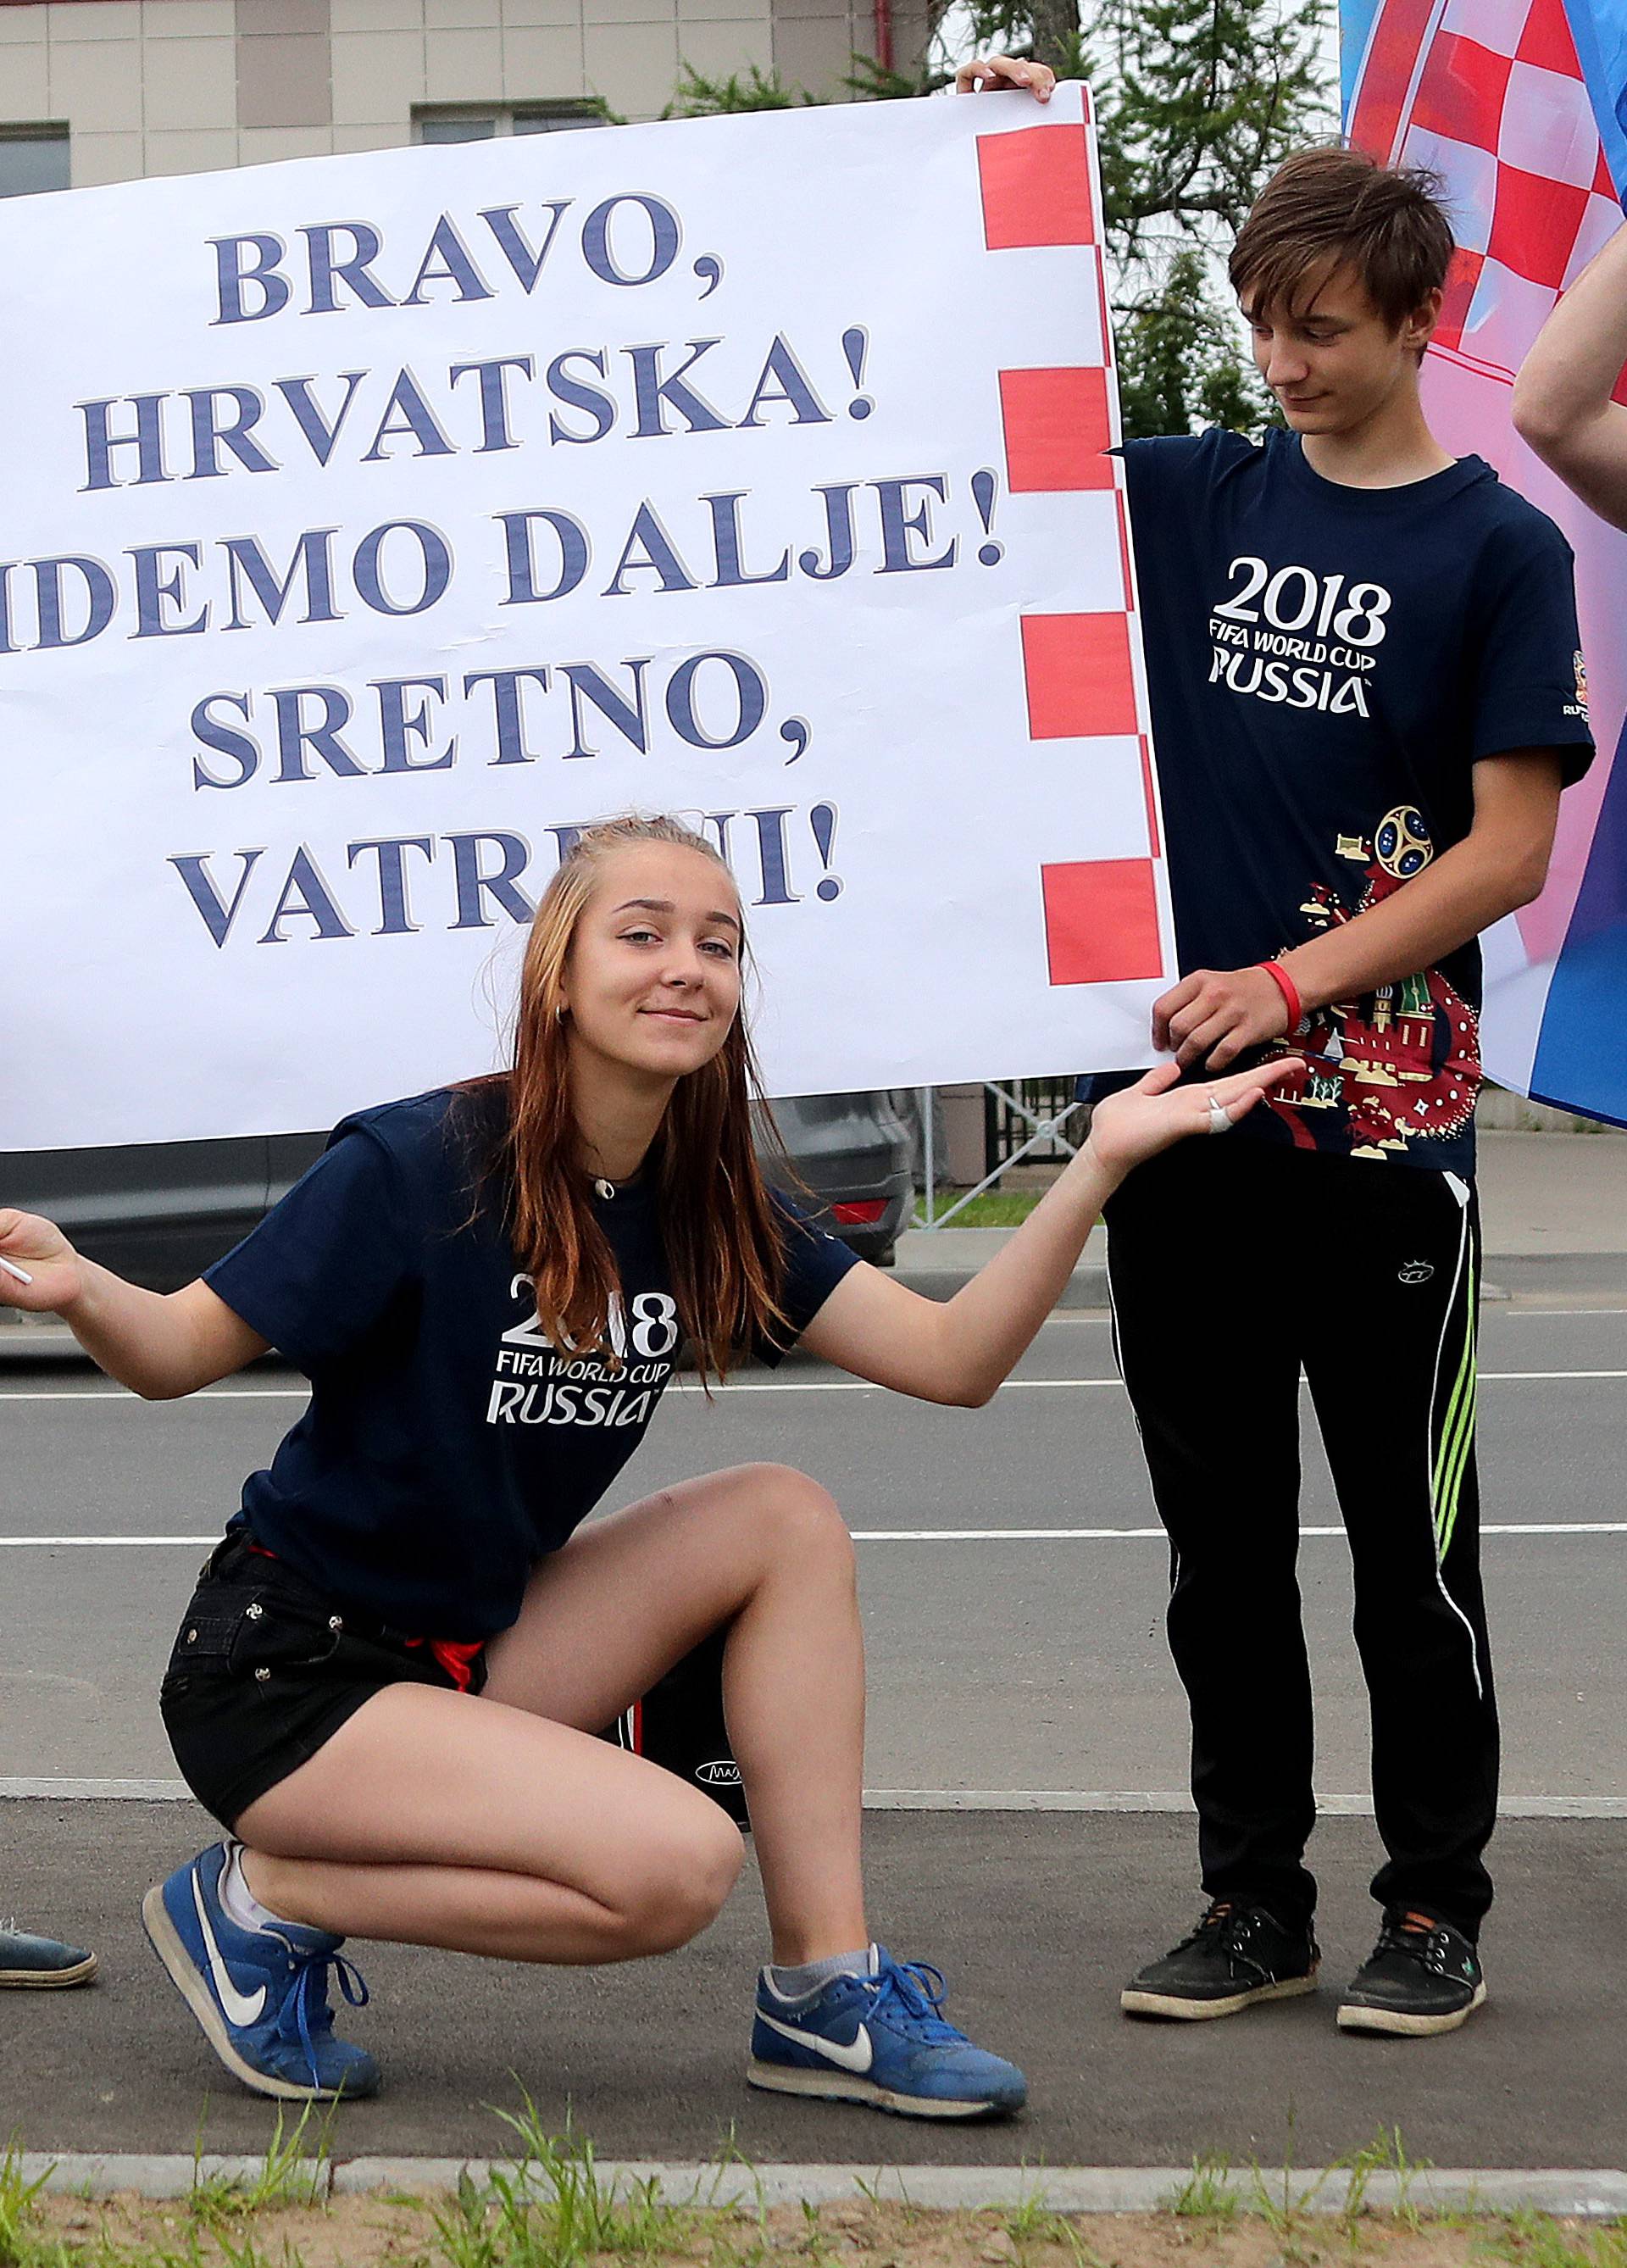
[{"x": 1367, "y": 696}]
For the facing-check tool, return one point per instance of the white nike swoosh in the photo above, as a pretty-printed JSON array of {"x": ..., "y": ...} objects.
[
  {"x": 858, "y": 2054},
  {"x": 240, "y": 2008}
]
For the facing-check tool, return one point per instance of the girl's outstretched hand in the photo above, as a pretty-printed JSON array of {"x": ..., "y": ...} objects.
[
  {"x": 1154, "y": 1114},
  {"x": 41, "y": 1250}
]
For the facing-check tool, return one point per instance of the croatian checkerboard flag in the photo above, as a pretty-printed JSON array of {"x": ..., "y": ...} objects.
[{"x": 1520, "y": 107}]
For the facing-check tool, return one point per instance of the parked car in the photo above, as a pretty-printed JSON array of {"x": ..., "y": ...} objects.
[
  {"x": 853, "y": 1152},
  {"x": 159, "y": 1212}
]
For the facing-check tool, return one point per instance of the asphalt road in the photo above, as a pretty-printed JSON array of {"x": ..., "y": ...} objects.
[
  {"x": 1036, "y": 1917},
  {"x": 1002, "y": 1661}
]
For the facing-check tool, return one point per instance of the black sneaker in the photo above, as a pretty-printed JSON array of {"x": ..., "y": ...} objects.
[
  {"x": 1424, "y": 1975},
  {"x": 1236, "y": 1956}
]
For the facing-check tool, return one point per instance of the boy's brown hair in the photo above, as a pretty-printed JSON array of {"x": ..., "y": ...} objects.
[{"x": 1331, "y": 208}]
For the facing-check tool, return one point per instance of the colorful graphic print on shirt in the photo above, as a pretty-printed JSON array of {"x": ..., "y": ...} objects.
[{"x": 1401, "y": 1065}]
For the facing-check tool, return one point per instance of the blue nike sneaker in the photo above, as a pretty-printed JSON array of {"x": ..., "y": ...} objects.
[
  {"x": 261, "y": 1995},
  {"x": 880, "y": 2039}
]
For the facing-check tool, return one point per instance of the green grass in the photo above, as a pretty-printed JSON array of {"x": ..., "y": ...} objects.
[
  {"x": 1216, "y": 2193},
  {"x": 1032, "y": 2223},
  {"x": 19, "y": 2243},
  {"x": 551, "y": 2208},
  {"x": 549, "y": 2205},
  {"x": 1535, "y": 2241},
  {"x": 293, "y": 2172},
  {"x": 993, "y": 1210},
  {"x": 1386, "y": 2153},
  {"x": 1206, "y": 2195}
]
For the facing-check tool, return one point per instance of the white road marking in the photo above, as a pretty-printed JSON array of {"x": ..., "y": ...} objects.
[
  {"x": 98, "y": 1791},
  {"x": 860, "y": 1535},
  {"x": 682, "y": 1385},
  {"x": 1157, "y": 1534},
  {"x": 1177, "y": 1800},
  {"x": 1549, "y": 1315},
  {"x": 902, "y": 1799},
  {"x": 184, "y": 1402},
  {"x": 1509, "y": 1377}
]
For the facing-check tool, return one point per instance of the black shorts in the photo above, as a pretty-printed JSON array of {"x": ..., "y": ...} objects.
[{"x": 265, "y": 1669}]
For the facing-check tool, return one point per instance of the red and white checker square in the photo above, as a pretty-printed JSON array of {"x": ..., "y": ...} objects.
[
  {"x": 1501, "y": 113},
  {"x": 1105, "y": 918}
]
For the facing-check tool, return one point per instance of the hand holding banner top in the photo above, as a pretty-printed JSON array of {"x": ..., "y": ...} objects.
[{"x": 376, "y": 522}]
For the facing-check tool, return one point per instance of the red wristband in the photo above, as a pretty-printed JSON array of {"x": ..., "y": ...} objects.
[{"x": 1285, "y": 985}]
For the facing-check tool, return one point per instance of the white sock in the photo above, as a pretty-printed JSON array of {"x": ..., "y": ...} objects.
[
  {"x": 800, "y": 1982},
  {"x": 242, "y": 1905}
]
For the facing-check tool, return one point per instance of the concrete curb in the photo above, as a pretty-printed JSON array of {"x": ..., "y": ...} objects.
[{"x": 1588, "y": 2194}]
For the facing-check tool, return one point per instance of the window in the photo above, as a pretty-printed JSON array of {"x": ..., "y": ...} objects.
[
  {"x": 450, "y": 123},
  {"x": 556, "y": 117},
  {"x": 456, "y": 129},
  {"x": 32, "y": 159}
]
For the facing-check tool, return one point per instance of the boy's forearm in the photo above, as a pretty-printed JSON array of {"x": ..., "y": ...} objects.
[{"x": 1438, "y": 912}]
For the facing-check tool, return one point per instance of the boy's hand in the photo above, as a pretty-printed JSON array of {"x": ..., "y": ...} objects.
[
  {"x": 1005, "y": 70},
  {"x": 1218, "y": 1013}
]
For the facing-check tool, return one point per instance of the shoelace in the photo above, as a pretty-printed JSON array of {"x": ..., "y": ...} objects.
[
  {"x": 1214, "y": 1928},
  {"x": 917, "y": 1990},
  {"x": 305, "y": 2001},
  {"x": 1416, "y": 1937}
]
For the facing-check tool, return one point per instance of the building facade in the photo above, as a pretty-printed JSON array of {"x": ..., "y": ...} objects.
[{"x": 97, "y": 90}]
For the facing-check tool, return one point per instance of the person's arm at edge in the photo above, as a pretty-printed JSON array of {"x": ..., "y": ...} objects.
[
  {"x": 959, "y": 1351},
  {"x": 1501, "y": 865},
  {"x": 990, "y": 72},
  {"x": 159, "y": 1344},
  {"x": 1563, "y": 403}
]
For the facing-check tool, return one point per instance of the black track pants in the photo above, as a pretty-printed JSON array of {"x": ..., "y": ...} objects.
[{"x": 1234, "y": 1265}]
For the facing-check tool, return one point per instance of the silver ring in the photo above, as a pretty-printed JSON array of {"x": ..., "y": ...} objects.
[{"x": 1218, "y": 1122}]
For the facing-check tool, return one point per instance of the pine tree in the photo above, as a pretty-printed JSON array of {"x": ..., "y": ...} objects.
[
  {"x": 1196, "y": 100},
  {"x": 700, "y": 97}
]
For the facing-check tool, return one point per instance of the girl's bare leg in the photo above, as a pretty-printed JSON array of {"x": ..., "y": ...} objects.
[{"x": 500, "y": 1826}]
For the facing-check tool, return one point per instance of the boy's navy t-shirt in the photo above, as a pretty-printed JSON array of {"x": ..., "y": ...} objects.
[
  {"x": 448, "y": 1447},
  {"x": 1327, "y": 665}
]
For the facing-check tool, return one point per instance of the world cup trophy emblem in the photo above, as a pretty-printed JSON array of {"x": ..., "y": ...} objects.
[{"x": 1401, "y": 843}]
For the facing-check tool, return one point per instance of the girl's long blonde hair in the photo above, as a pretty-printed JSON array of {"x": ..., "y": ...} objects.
[{"x": 721, "y": 1236}]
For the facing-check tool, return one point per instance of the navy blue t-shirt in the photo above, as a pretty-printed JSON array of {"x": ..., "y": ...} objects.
[
  {"x": 1327, "y": 665},
  {"x": 448, "y": 1446}
]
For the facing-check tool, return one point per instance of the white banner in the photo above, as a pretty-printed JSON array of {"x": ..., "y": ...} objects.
[{"x": 374, "y": 521}]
